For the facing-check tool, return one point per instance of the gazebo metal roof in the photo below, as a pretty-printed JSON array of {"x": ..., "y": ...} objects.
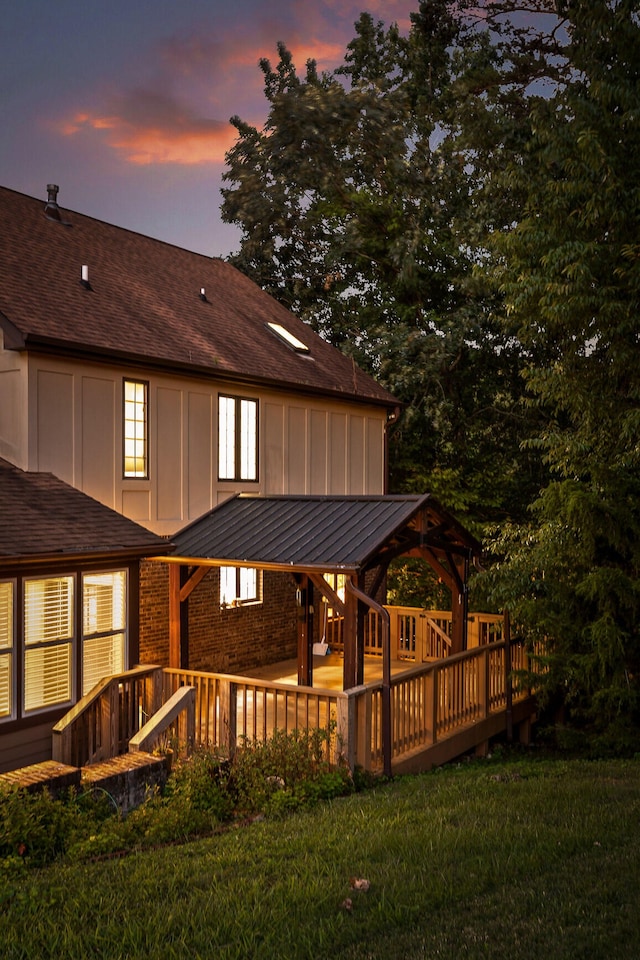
[{"x": 328, "y": 533}]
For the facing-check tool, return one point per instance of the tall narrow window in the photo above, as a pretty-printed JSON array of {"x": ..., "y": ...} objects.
[
  {"x": 239, "y": 585},
  {"x": 135, "y": 429},
  {"x": 6, "y": 649},
  {"x": 104, "y": 612},
  {"x": 48, "y": 642},
  {"x": 237, "y": 438}
]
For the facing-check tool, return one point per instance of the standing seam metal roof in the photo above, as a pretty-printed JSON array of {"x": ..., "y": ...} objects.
[{"x": 331, "y": 533}]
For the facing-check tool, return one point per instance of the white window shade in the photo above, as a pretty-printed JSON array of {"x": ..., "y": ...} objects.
[
  {"x": 104, "y": 619},
  {"x": 47, "y": 676},
  {"x": 101, "y": 657},
  {"x": 48, "y": 638},
  {"x": 48, "y": 614},
  {"x": 6, "y": 646}
]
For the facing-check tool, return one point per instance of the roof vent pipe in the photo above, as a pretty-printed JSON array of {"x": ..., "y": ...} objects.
[
  {"x": 52, "y": 210},
  {"x": 203, "y": 295}
]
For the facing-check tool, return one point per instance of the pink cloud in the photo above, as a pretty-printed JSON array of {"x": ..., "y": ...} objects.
[
  {"x": 195, "y": 82},
  {"x": 148, "y": 127}
]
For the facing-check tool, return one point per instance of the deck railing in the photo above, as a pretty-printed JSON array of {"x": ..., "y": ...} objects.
[
  {"x": 416, "y": 634},
  {"x": 101, "y": 723},
  {"x": 429, "y": 703},
  {"x": 233, "y": 708},
  {"x": 433, "y": 701}
]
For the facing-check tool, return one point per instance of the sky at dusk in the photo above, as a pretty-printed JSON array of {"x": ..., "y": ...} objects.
[{"x": 126, "y": 103}]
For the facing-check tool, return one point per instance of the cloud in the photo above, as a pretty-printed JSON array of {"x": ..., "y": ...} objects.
[
  {"x": 195, "y": 81},
  {"x": 151, "y": 127}
]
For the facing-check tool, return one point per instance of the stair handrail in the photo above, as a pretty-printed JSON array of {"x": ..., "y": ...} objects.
[{"x": 66, "y": 747}]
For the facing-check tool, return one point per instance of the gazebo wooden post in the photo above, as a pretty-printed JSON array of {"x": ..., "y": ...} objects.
[
  {"x": 305, "y": 631},
  {"x": 181, "y": 586},
  {"x": 353, "y": 637},
  {"x": 175, "y": 626},
  {"x": 459, "y": 606}
]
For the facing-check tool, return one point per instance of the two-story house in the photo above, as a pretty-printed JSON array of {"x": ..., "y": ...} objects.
[{"x": 159, "y": 382}]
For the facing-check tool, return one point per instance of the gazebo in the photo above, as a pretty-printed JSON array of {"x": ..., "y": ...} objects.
[{"x": 310, "y": 536}]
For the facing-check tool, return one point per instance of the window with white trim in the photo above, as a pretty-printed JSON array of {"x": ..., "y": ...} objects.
[
  {"x": 237, "y": 438},
  {"x": 104, "y": 618},
  {"x": 240, "y": 585},
  {"x": 135, "y": 429},
  {"x": 48, "y": 642},
  {"x": 7, "y": 640}
]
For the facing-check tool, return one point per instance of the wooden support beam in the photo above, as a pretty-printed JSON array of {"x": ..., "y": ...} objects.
[
  {"x": 327, "y": 592},
  {"x": 174, "y": 615},
  {"x": 182, "y": 583},
  {"x": 305, "y": 630}
]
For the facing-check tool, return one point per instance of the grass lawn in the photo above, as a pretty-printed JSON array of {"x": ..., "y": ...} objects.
[{"x": 513, "y": 859}]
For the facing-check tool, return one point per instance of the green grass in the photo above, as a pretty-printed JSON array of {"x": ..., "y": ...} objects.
[{"x": 500, "y": 859}]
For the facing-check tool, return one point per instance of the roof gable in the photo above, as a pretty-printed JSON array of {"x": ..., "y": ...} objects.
[
  {"x": 42, "y": 517},
  {"x": 143, "y": 304},
  {"x": 305, "y": 532}
]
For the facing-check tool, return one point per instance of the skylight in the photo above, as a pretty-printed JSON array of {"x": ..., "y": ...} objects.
[{"x": 289, "y": 338}]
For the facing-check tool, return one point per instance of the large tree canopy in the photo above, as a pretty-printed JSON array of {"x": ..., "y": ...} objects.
[
  {"x": 358, "y": 203},
  {"x": 570, "y": 272}
]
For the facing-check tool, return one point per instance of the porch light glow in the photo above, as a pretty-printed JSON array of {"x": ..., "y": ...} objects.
[{"x": 288, "y": 338}]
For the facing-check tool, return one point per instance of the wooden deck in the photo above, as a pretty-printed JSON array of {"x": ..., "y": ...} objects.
[
  {"x": 436, "y": 709},
  {"x": 327, "y": 671}
]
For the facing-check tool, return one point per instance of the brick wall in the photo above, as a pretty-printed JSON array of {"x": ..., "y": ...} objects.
[{"x": 231, "y": 640}]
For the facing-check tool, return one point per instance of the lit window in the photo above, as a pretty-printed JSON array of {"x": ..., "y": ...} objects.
[
  {"x": 289, "y": 338},
  {"x": 135, "y": 429},
  {"x": 103, "y": 626},
  {"x": 239, "y": 585},
  {"x": 237, "y": 438},
  {"x": 48, "y": 642},
  {"x": 6, "y": 649}
]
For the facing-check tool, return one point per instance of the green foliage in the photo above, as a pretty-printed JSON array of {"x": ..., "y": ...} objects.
[
  {"x": 502, "y": 858},
  {"x": 358, "y": 205},
  {"x": 37, "y": 828},
  {"x": 286, "y": 772},
  {"x": 458, "y": 208},
  {"x": 571, "y": 278}
]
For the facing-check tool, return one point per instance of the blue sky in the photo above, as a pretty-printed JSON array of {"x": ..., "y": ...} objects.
[{"x": 125, "y": 103}]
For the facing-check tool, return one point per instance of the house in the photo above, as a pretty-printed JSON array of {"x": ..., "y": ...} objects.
[
  {"x": 160, "y": 382},
  {"x": 147, "y": 386},
  {"x": 69, "y": 581}
]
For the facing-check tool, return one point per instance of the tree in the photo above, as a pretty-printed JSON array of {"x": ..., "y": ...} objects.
[
  {"x": 571, "y": 277},
  {"x": 358, "y": 204}
]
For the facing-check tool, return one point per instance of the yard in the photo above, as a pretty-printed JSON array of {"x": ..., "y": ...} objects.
[{"x": 503, "y": 858}]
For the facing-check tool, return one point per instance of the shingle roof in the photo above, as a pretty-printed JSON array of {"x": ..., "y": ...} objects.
[
  {"x": 327, "y": 533},
  {"x": 43, "y": 518},
  {"x": 144, "y": 304}
]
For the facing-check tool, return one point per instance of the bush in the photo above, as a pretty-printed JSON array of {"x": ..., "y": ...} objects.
[
  {"x": 283, "y": 774},
  {"x": 37, "y": 828}
]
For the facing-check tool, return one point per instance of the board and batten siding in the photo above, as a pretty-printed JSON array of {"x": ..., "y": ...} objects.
[{"x": 307, "y": 444}]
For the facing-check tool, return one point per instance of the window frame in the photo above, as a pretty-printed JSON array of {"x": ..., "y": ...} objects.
[
  {"x": 114, "y": 632},
  {"x": 57, "y": 643},
  {"x": 238, "y": 439},
  {"x": 34, "y": 623},
  {"x": 135, "y": 474},
  {"x": 239, "y": 600},
  {"x": 8, "y": 650}
]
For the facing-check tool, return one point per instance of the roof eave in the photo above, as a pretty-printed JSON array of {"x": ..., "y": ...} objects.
[
  {"x": 54, "y": 346},
  {"x": 279, "y": 567},
  {"x": 62, "y": 557}
]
